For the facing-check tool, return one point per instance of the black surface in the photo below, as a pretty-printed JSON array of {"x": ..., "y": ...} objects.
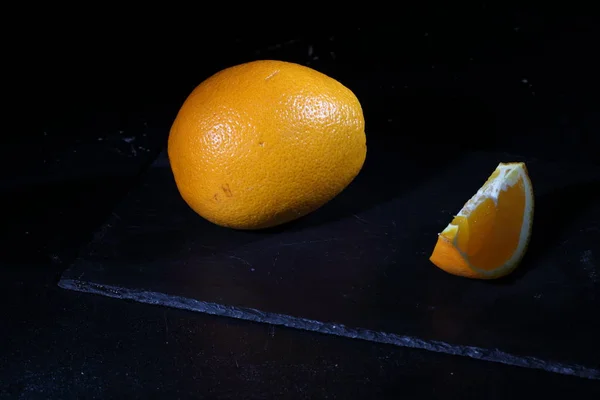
[
  {"x": 526, "y": 78},
  {"x": 59, "y": 344},
  {"x": 359, "y": 266}
]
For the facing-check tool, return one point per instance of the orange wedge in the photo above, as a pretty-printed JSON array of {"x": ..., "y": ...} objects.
[{"x": 489, "y": 236}]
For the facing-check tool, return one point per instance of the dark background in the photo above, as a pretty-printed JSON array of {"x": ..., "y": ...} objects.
[{"x": 93, "y": 100}]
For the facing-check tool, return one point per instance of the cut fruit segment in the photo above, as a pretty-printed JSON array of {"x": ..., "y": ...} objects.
[{"x": 489, "y": 236}]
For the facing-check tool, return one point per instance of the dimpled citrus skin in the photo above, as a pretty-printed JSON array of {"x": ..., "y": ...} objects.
[{"x": 264, "y": 143}]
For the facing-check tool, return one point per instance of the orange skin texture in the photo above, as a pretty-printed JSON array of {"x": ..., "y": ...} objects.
[{"x": 264, "y": 143}]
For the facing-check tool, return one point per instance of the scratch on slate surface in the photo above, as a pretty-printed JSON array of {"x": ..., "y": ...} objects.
[
  {"x": 240, "y": 259},
  {"x": 587, "y": 263},
  {"x": 250, "y": 314}
]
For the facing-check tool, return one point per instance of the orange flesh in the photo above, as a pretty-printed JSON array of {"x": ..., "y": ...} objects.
[{"x": 490, "y": 235}]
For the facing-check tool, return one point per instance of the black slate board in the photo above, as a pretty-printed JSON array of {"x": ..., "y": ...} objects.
[{"x": 358, "y": 267}]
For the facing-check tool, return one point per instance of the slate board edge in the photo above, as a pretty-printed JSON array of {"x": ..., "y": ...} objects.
[{"x": 250, "y": 314}]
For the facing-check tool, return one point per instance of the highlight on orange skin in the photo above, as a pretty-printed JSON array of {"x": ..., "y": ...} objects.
[{"x": 489, "y": 236}]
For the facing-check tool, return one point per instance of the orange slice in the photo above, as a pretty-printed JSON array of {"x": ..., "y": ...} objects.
[{"x": 489, "y": 236}]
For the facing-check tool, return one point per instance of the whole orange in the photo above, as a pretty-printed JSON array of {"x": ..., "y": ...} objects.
[{"x": 263, "y": 143}]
